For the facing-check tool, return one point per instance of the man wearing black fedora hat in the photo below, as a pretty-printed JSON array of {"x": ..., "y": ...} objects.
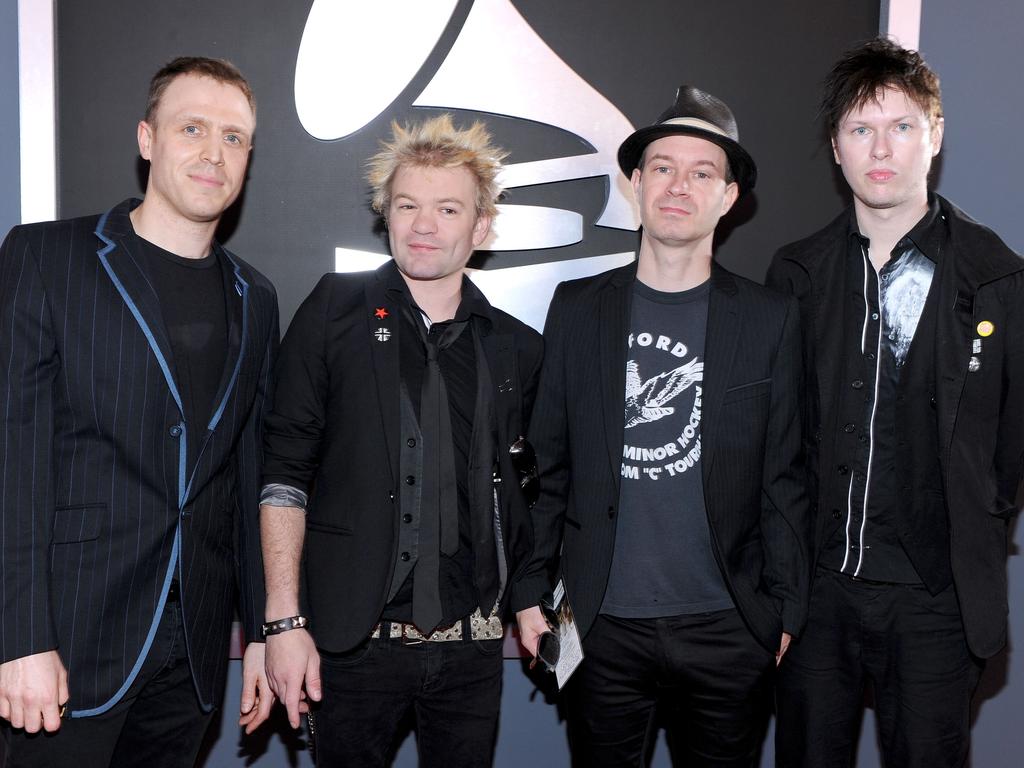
[{"x": 667, "y": 431}]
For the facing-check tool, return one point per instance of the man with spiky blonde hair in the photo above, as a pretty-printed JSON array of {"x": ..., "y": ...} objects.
[{"x": 395, "y": 471}]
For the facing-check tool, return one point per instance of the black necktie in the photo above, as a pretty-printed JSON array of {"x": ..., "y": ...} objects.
[{"x": 439, "y": 521}]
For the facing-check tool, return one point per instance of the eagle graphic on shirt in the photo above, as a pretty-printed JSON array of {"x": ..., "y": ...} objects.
[{"x": 646, "y": 400}]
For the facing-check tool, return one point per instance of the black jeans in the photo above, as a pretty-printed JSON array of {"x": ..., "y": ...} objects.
[
  {"x": 451, "y": 689},
  {"x": 909, "y": 644},
  {"x": 158, "y": 723},
  {"x": 704, "y": 676}
]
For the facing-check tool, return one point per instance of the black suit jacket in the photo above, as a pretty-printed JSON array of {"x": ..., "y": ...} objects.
[
  {"x": 100, "y": 508},
  {"x": 980, "y": 414},
  {"x": 754, "y": 486},
  {"x": 335, "y": 433}
]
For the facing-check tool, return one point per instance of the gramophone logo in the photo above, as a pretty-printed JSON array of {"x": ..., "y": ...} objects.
[{"x": 356, "y": 58}]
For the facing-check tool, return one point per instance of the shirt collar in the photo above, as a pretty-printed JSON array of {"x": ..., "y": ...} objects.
[
  {"x": 472, "y": 304},
  {"x": 927, "y": 235}
]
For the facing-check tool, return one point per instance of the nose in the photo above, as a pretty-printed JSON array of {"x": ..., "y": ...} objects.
[
  {"x": 880, "y": 147},
  {"x": 680, "y": 185},
  {"x": 213, "y": 151},
  {"x": 424, "y": 223}
]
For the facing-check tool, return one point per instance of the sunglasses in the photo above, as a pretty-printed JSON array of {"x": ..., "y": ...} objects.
[
  {"x": 549, "y": 647},
  {"x": 524, "y": 460}
]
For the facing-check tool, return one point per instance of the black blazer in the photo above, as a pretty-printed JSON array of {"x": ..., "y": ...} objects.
[
  {"x": 100, "y": 509},
  {"x": 335, "y": 429},
  {"x": 980, "y": 414},
  {"x": 751, "y": 466}
]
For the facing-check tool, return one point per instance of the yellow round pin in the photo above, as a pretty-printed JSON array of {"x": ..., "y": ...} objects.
[{"x": 985, "y": 328}]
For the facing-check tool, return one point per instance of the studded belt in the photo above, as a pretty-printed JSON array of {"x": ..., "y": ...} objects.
[{"x": 480, "y": 628}]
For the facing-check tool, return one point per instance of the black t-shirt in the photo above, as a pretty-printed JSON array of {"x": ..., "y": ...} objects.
[
  {"x": 191, "y": 294},
  {"x": 663, "y": 563}
]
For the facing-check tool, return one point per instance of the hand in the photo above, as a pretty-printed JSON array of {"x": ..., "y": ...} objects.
[
  {"x": 257, "y": 698},
  {"x": 32, "y": 691},
  {"x": 783, "y": 647},
  {"x": 531, "y": 626},
  {"x": 293, "y": 668}
]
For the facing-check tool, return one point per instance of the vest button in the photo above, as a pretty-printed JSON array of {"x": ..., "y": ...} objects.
[
  {"x": 405, "y": 557},
  {"x": 410, "y": 480},
  {"x": 175, "y": 431}
]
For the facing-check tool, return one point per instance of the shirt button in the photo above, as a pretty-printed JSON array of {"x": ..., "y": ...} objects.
[
  {"x": 175, "y": 431},
  {"x": 874, "y": 315},
  {"x": 405, "y": 557},
  {"x": 857, "y": 384},
  {"x": 843, "y": 469},
  {"x": 848, "y": 428},
  {"x": 406, "y": 518},
  {"x": 870, "y": 355},
  {"x": 411, "y": 442},
  {"x": 410, "y": 480}
]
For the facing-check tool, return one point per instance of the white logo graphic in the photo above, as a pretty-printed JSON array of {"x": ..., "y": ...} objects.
[
  {"x": 650, "y": 454},
  {"x": 382, "y": 334},
  {"x": 645, "y": 401},
  {"x": 499, "y": 65}
]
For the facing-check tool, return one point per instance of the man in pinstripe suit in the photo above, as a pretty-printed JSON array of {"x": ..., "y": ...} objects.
[
  {"x": 134, "y": 361},
  {"x": 667, "y": 432}
]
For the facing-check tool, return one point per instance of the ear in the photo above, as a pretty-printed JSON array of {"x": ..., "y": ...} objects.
[
  {"x": 481, "y": 229},
  {"x": 732, "y": 193},
  {"x": 835, "y": 151},
  {"x": 938, "y": 130},
  {"x": 635, "y": 181},
  {"x": 144, "y": 134}
]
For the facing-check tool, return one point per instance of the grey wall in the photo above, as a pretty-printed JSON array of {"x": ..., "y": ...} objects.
[
  {"x": 975, "y": 48},
  {"x": 10, "y": 163}
]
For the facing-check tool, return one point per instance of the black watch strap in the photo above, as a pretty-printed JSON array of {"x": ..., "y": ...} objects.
[{"x": 283, "y": 625}]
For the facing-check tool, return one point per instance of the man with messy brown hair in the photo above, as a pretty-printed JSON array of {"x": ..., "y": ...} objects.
[{"x": 914, "y": 423}]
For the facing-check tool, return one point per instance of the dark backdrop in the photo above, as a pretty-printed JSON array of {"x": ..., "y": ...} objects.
[{"x": 306, "y": 196}]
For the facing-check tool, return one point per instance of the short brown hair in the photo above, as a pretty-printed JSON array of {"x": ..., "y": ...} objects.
[
  {"x": 221, "y": 70},
  {"x": 437, "y": 143},
  {"x": 864, "y": 71}
]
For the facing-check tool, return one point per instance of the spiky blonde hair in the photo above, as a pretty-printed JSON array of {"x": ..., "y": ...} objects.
[{"x": 437, "y": 143}]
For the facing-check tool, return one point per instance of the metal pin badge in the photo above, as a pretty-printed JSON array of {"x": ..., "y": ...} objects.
[
  {"x": 976, "y": 347},
  {"x": 382, "y": 334},
  {"x": 380, "y": 313},
  {"x": 986, "y": 328},
  {"x": 974, "y": 364}
]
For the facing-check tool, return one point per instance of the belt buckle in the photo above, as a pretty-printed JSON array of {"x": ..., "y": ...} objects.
[{"x": 407, "y": 640}]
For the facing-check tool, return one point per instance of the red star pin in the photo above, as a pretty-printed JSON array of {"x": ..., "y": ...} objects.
[{"x": 381, "y": 313}]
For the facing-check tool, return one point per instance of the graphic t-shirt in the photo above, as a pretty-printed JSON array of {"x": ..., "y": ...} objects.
[{"x": 663, "y": 564}]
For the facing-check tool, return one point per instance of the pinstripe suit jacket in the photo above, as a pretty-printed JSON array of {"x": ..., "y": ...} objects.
[
  {"x": 100, "y": 506},
  {"x": 754, "y": 485}
]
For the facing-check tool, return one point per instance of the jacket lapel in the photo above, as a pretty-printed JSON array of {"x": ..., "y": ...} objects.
[
  {"x": 236, "y": 302},
  {"x": 613, "y": 327},
  {"x": 133, "y": 285},
  {"x": 382, "y": 336},
  {"x": 722, "y": 335}
]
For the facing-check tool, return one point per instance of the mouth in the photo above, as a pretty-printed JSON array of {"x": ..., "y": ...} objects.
[
  {"x": 206, "y": 181},
  {"x": 421, "y": 247},
  {"x": 673, "y": 210},
  {"x": 881, "y": 175}
]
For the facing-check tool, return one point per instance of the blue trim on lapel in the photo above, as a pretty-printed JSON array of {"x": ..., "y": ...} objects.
[
  {"x": 146, "y": 330},
  {"x": 175, "y": 550},
  {"x": 215, "y": 419}
]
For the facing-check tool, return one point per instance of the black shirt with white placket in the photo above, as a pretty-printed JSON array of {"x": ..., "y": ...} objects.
[{"x": 889, "y": 331}]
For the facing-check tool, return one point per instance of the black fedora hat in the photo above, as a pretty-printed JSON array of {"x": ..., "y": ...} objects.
[{"x": 695, "y": 113}]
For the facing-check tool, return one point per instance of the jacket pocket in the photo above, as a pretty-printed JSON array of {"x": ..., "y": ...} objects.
[
  {"x": 77, "y": 523},
  {"x": 745, "y": 391},
  {"x": 322, "y": 527}
]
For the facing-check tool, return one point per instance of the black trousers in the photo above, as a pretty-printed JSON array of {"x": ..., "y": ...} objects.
[
  {"x": 704, "y": 676},
  {"x": 158, "y": 723},
  {"x": 452, "y": 691},
  {"x": 908, "y": 644}
]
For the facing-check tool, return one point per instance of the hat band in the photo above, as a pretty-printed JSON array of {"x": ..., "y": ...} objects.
[{"x": 694, "y": 122}]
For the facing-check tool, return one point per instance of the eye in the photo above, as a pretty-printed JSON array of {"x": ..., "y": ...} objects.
[
  {"x": 860, "y": 131},
  {"x": 191, "y": 130},
  {"x": 702, "y": 175},
  {"x": 662, "y": 169},
  {"x": 449, "y": 211},
  {"x": 904, "y": 127},
  {"x": 232, "y": 138}
]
